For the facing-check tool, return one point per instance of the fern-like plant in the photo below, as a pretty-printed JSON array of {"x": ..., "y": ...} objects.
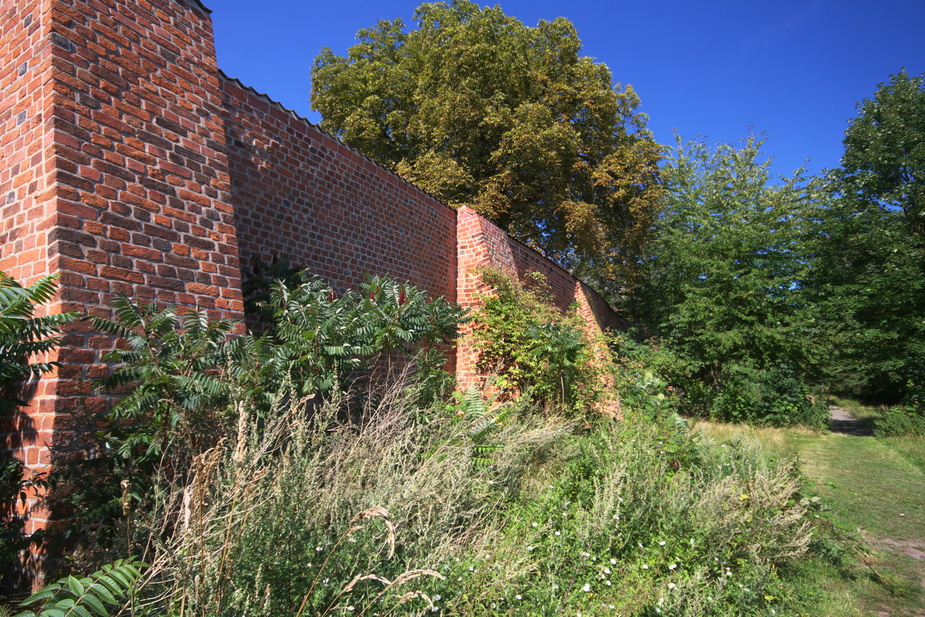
[
  {"x": 318, "y": 338},
  {"x": 22, "y": 334},
  {"x": 96, "y": 595},
  {"x": 171, "y": 365},
  {"x": 22, "y": 337}
]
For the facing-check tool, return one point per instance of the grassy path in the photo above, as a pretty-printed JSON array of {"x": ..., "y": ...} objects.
[{"x": 875, "y": 487}]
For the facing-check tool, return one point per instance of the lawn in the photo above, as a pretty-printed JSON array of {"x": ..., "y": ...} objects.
[{"x": 874, "y": 490}]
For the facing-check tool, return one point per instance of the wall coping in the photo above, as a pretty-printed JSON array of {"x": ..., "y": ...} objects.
[
  {"x": 299, "y": 118},
  {"x": 197, "y": 4}
]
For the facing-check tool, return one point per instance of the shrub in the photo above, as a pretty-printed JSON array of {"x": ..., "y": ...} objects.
[
  {"x": 900, "y": 421},
  {"x": 648, "y": 374},
  {"x": 318, "y": 339},
  {"x": 84, "y": 596},
  {"x": 24, "y": 338},
  {"x": 527, "y": 345},
  {"x": 774, "y": 396},
  {"x": 187, "y": 380},
  {"x": 170, "y": 367},
  {"x": 634, "y": 518}
]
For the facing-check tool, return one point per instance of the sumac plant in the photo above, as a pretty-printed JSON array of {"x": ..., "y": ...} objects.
[{"x": 317, "y": 339}]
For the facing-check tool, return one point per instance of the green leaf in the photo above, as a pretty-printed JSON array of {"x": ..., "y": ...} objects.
[{"x": 75, "y": 586}]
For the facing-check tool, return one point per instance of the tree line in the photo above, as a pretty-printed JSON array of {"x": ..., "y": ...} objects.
[{"x": 763, "y": 288}]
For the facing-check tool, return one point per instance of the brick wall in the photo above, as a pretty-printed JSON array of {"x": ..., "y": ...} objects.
[
  {"x": 132, "y": 165},
  {"x": 481, "y": 243},
  {"x": 27, "y": 204},
  {"x": 143, "y": 186},
  {"x": 299, "y": 192},
  {"x": 116, "y": 178}
]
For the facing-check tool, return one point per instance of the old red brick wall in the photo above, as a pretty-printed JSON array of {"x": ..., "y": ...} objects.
[
  {"x": 116, "y": 179},
  {"x": 139, "y": 156},
  {"x": 481, "y": 243},
  {"x": 299, "y": 192},
  {"x": 27, "y": 202}
]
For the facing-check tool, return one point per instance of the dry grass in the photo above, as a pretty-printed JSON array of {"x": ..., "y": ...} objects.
[
  {"x": 269, "y": 524},
  {"x": 769, "y": 441}
]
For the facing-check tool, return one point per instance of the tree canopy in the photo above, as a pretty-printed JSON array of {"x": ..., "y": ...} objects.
[
  {"x": 869, "y": 273},
  {"x": 480, "y": 110},
  {"x": 722, "y": 284},
  {"x": 884, "y": 161}
]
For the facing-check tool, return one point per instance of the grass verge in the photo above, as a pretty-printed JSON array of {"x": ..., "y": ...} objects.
[{"x": 873, "y": 488}]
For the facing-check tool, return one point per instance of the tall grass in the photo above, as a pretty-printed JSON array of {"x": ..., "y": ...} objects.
[
  {"x": 312, "y": 513},
  {"x": 399, "y": 510}
]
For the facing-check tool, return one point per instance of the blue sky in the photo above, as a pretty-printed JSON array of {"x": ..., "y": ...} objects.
[{"x": 791, "y": 69}]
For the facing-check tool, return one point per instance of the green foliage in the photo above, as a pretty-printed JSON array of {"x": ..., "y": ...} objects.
[
  {"x": 624, "y": 518},
  {"x": 884, "y": 162},
  {"x": 186, "y": 380},
  {"x": 901, "y": 421},
  {"x": 482, "y": 415},
  {"x": 722, "y": 285},
  {"x": 318, "y": 339},
  {"x": 639, "y": 520},
  {"x": 176, "y": 393},
  {"x": 22, "y": 334},
  {"x": 774, "y": 395},
  {"x": 97, "y": 595},
  {"x": 480, "y": 110},
  {"x": 269, "y": 525},
  {"x": 12, "y": 536},
  {"x": 869, "y": 275},
  {"x": 527, "y": 345},
  {"x": 644, "y": 372},
  {"x": 257, "y": 286},
  {"x": 185, "y": 370}
]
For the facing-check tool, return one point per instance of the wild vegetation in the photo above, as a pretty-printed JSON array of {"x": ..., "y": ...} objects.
[
  {"x": 322, "y": 464},
  {"x": 368, "y": 497}
]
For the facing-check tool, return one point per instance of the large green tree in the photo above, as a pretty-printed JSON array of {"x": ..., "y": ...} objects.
[
  {"x": 723, "y": 282},
  {"x": 481, "y": 110},
  {"x": 870, "y": 274},
  {"x": 884, "y": 162}
]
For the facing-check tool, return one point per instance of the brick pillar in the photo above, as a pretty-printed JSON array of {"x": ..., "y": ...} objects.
[
  {"x": 119, "y": 172},
  {"x": 28, "y": 198},
  {"x": 474, "y": 249}
]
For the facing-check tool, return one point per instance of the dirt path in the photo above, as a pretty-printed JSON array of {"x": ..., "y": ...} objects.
[{"x": 840, "y": 421}]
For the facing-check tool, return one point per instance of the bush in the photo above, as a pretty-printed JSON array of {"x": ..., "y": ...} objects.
[
  {"x": 527, "y": 345},
  {"x": 774, "y": 396},
  {"x": 319, "y": 340},
  {"x": 648, "y": 374},
  {"x": 175, "y": 370},
  {"x": 98, "y": 594},
  {"x": 900, "y": 421},
  {"x": 630, "y": 526},
  {"x": 382, "y": 512},
  {"x": 24, "y": 338}
]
